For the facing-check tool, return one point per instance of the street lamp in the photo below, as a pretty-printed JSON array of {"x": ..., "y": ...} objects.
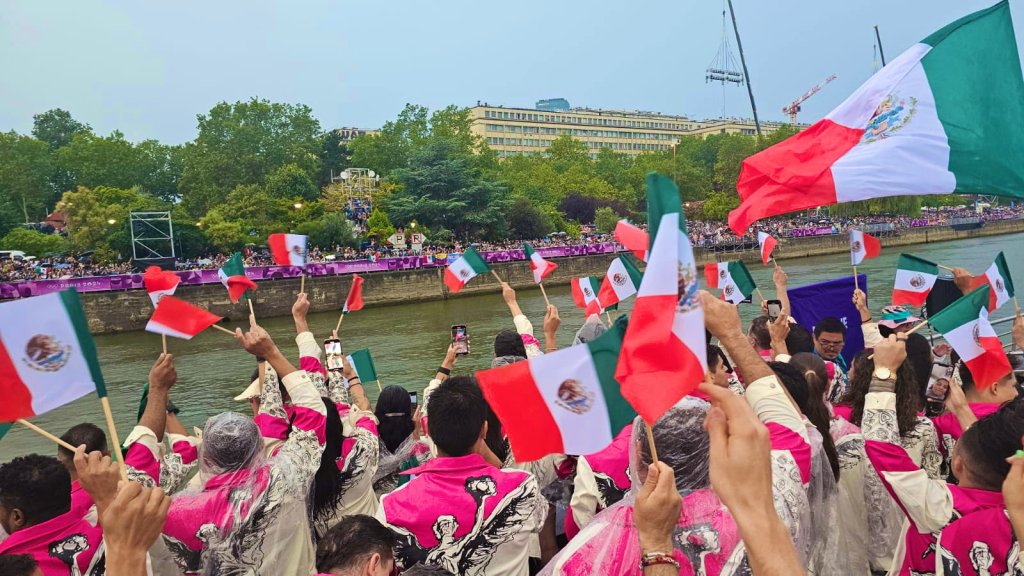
[
  {"x": 111, "y": 221},
  {"x": 298, "y": 205}
]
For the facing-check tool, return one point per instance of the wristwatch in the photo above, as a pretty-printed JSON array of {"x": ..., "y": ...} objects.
[{"x": 883, "y": 373}]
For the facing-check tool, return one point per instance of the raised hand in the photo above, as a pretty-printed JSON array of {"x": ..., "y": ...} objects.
[
  {"x": 163, "y": 375},
  {"x": 256, "y": 341},
  {"x": 99, "y": 475},
  {"x": 657, "y": 508}
]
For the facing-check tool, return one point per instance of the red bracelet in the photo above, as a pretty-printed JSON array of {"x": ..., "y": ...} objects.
[{"x": 656, "y": 558}]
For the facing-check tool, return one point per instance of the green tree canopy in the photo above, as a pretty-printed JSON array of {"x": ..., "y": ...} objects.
[
  {"x": 526, "y": 222},
  {"x": 379, "y": 225},
  {"x": 56, "y": 127},
  {"x": 33, "y": 242},
  {"x": 291, "y": 182},
  {"x": 25, "y": 171},
  {"x": 97, "y": 218}
]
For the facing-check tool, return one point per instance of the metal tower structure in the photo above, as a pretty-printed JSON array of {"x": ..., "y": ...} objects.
[
  {"x": 152, "y": 236},
  {"x": 794, "y": 108}
]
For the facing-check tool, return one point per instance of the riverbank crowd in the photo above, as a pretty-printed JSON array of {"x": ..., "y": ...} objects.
[
  {"x": 704, "y": 234},
  {"x": 788, "y": 459}
]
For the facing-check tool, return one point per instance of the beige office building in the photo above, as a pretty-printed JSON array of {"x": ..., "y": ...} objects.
[{"x": 511, "y": 131}]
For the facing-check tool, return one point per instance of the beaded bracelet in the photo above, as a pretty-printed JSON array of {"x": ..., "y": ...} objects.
[{"x": 656, "y": 558}]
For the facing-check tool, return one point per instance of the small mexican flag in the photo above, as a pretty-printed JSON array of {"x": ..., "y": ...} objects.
[
  {"x": 965, "y": 325},
  {"x": 180, "y": 319},
  {"x": 467, "y": 267},
  {"x": 354, "y": 301},
  {"x": 863, "y": 246},
  {"x": 47, "y": 357},
  {"x": 664, "y": 354},
  {"x": 998, "y": 278},
  {"x": 732, "y": 278},
  {"x": 232, "y": 276},
  {"x": 633, "y": 238},
  {"x": 362, "y": 363},
  {"x": 584, "y": 294},
  {"x": 541, "y": 267},
  {"x": 287, "y": 249},
  {"x": 621, "y": 282},
  {"x": 768, "y": 244},
  {"x": 914, "y": 280},
  {"x": 159, "y": 283},
  {"x": 565, "y": 402}
]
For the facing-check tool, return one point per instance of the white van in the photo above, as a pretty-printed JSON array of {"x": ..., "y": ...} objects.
[{"x": 12, "y": 255}]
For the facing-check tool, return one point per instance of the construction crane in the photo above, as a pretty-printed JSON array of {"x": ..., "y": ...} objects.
[{"x": 794, "y": 108}]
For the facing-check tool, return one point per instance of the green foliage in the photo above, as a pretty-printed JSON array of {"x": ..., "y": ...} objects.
[
  {"x": 92, "y": 161},
  {"x": 191, "y": 241},
  {"x": 379, "y": 225},
  {"x": 56, "y": 127},
  {"x": 328, "y": 231},
  {"x": 25, "y": 170},
  {"x": 242, "y": 144},
  {"x": 97, "y": 218},
  {"x": 573, "y": 229},
  {"x": 525, "y": 221},
  {"x": 605, "y": 219},
  {"x": 718, "y": 205},
  {"x": 291, "y": 182},
  {"x": 33, "y": 242},
  {"x": 334, "y": 157}
]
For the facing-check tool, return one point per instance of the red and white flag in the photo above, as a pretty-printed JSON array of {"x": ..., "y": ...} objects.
[
  {"x": 965, "y": 325},
  {"x": 998, "y": 278},
  {"x": 355, "y": 295},
  {"x": 288, "y": 249},
  {"x": 540, "y": 267},
  {"x": 159, "y": 283},
  {"x": 863, "y": 246},
  {"x": 180, "y": 319},
  {"x": 633, "y": 238},
  {"x": 768, "y": 244}
]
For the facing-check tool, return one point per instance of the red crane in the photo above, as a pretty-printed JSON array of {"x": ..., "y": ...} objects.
[{"x": 793, "y": 109}]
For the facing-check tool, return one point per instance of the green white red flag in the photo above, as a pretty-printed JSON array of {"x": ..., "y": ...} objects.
[
  {"x": 965, "y": 325},
  {"x": 540, "y": 267},
  {"x": 633, "y": 238},
  {"x": 232, "y": 276},
  {"x": 732, "y": 278},
  {"x": 863, "y": 246},
  {"x": 354, "y": 301},
  {"x": 362, "y": 363},
  {"x": 47, "y": 357},
  {"x": 663, "y": 352},
  {"x": 159, "y": 283},
  {"x": 943, "y": 117},
  {"x": 288, "y": 249},
  {"x": 768, "y": 244},
  {"x": 998, "y": 278},
  {"x": 174, "y": 317},
  {"x": 565, "y": 402},
  {"x": 467, "y": 267},
  {"x": 584, "y": 294},
  {"x": 622, "y": 281},
  {"x": 915, "y": 278}
]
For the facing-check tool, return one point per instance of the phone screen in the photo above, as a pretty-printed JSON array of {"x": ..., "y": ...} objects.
[
  {"x": 332, "y": 349},
  {"x": 938, "y": 383},
  {"x": 414, "y": 398},
  {"x": 332, "y": 346},
  {"x": 774, "y": 309},
  {"x": 460, "y": 338}
]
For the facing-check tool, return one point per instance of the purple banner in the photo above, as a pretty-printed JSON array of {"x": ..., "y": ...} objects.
[
  {"x": 819, "y": 231},
  {"x": 9, "y": 290}
]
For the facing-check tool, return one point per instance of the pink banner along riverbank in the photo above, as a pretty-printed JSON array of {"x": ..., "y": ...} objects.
[{"x": 10, "y": 290}]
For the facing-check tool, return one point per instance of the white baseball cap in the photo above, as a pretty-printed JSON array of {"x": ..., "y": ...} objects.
[{"x": 253, "y": 391}]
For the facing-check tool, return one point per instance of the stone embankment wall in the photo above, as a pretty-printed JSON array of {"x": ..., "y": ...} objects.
[{"x": 126, "y": 311}]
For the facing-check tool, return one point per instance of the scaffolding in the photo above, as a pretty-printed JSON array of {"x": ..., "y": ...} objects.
[{"x": 152, "y": 235}]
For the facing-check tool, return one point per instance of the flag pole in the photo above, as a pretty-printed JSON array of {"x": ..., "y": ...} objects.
[
  {"x": 608, "y": 316},
  {"x": 759, "y": 294},
  {"x": 222, "y": 329},
  {"x": 856, "y": 284},
  {"x": 920, "y": 325},
  {"x": 943, "y": 267},
  {"x": 109, "y": 415},
  {"x": 251, "y": 311},
  {"x": 379, "y": 389},
  {"x": 545, "y": 294},
  {"x": 650, "y": 442},
  {"x": 340, "y": 318},
  {"x": 163, "y": 340},
  {"x": 302, "y": 283},
  {"x": 45, "y": 434},
  {"x": 1016, "y": 306},
  {"x": 496, "y": 276}
]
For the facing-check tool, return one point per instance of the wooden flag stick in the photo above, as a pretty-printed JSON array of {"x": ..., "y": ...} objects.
[
  {"x": 759, "y": 294},
  {"x": 496, "y": 276},
  {"x": 650, "y": 442},
  {"x": 544, "y": 293},
  {"x": 302, "y": 283},
  {"x": 109, "y": 415},
  {"x": 608, "y": 316},
  {"x": 222, "y": 329},
  {"x": 163, "y": 340},
  {"x": 340, "y": 318},
  {"x": 920, "y": 325},
  {"x": 251, "y": 311},
  {"x": 944, "y": 267},
  {"x": 379, "y": 389},
  {"x": 856, "y": 284},
  {"x": 1016, "y": 306},
  {"x": 45, "y": 434}
]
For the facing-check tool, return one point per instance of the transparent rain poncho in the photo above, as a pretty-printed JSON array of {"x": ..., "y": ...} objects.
[
  {"x": 250, "y": 515},
  {"x": 823, "y": 535}
]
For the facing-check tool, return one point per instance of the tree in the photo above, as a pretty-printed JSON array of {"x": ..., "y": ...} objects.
[
  {"x": 93, "y": 161},
  {"x": 527, "y": 222},
  {"x": 389, "y": 149},
  {"x": 334, "y": 157},
  {"x": 379, "y": 225},
  {"x": 605, "y": 219},
  {"x": 243, "y": 143},
  {"x": 732, "y": 151},
  {"x": 291, "y": 182},
  {"x": 329, "y": 231},
  {"x": 25, "y": 170},
  {"x": 719, "y": 204},
  {"x": 579, "y": 207},
  {"x": 566, "y": 152},
  {"x": 159, "y": 168},
  {"x": 97, "y": 218},
  {"x": 33, "y": 242},
  {"x": 56, "y": 127}
]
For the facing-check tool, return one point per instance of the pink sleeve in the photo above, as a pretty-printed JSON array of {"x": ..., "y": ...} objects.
[
  {"x": 784, "y": 439},
  {"x": 186, "y": 448},
  {"x": 787, "y": 429},
  {"x": 142, "y": 452}
]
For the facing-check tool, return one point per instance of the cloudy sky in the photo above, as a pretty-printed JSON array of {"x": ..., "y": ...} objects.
[{"x": 147, "y": 68}]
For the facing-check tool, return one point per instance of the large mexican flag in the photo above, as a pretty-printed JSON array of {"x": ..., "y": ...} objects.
[
  {"x": 943, "y": 117},
  {"x": 965, "y": 325},
  {"x": 47, "y": 357},
  {"x": 566, "y": 402}
]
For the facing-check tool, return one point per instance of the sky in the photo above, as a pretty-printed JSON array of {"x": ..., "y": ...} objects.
[{"x": 148, "y": 68}]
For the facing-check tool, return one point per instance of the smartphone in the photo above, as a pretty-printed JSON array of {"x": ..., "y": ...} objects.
[
  {"x": 938, "y": 383},
  {"x": 332, "y": 348},
  {"x": 414, "y": 398},
  {"x": 774, "y": 309},
  {"x": 460, "y": 338}
]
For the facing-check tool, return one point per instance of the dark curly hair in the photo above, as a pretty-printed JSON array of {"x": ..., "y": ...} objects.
[
  {"x": 907, "y": 393},
  {"x": 18, "y": 565},
  {"x": 38, "y": 485}
]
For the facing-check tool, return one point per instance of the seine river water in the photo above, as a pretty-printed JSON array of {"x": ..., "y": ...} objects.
[{"x": 408, "y": 342}]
